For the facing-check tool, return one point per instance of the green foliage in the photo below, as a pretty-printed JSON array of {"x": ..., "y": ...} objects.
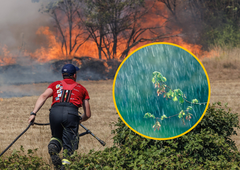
[
  {"x": 208, "y": 146},
  {"x": 219, "y": 20},
  {"x": 221, "y": 121},
  {"x": 163, "y": 116},
  {"x": 226, "y": 35},
  {"x": 194, "y": 101},
  {"x": 18, "y": 160},
  {"x": 177, "y": 95},
  {"x": 158, "y": 77},
  {"x": 149, "y": 115}
]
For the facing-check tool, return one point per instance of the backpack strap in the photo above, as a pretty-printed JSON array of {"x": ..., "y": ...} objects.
[
  {"x": 68, "y": 86},
  {"x": 67, "y": 91}
]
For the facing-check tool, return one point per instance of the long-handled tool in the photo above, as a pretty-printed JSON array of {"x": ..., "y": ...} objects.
[
  {"x": 16, "y": 139},
  {"x": 89, "y": 132},
  {"x": 42, "y": 124}
]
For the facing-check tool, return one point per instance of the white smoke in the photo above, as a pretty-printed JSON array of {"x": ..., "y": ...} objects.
[{"x": 19, "y": 21}]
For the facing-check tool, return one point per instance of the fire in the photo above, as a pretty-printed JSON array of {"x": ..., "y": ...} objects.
[
  {"x": 6, "y": 58},
  {"x": 89, "y": 48},
  {"x": 54, "y": 47},
  {"x": 56, "y": 51},
  {"x": 194, "y": 48}
]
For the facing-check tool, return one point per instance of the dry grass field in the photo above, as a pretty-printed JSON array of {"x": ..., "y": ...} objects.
[
  {"x": 224, "y": 75},
  {"x": 14, "y": 114}
]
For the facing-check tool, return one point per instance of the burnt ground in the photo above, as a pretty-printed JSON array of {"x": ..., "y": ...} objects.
[{"x": 33, "y": 73}]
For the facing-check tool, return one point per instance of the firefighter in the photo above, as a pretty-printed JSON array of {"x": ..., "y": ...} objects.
[{"x": 67, "y": 97}]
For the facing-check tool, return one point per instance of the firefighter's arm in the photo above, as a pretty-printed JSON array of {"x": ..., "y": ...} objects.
[
  {"x": 40, "y": 101},
  {"x": 87, "y": 111}
]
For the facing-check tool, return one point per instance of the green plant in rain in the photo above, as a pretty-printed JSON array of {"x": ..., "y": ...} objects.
[{"x": 176, "y": 95}]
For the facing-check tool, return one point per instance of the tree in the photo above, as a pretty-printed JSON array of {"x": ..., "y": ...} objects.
[
  {"x": 171, "y": 5},
  {"x": 92, "y": 17},
  {"x": 64, "y": 14},
  {"x": 220, "y": 20},
  {"x": 209, "y": 22},
  {"x": 116, "y": 26}
]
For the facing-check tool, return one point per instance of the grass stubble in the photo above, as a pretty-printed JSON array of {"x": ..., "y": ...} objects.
[
  {"x": 222, "y": 66},
  {"x": 14, "y": 114}
]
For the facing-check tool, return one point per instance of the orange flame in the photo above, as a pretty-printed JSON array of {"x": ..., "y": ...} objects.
[
  {"x": 6, "y": 58},
  {"x": 89, "y": 48},
  {"x": 53, "y": 51}
]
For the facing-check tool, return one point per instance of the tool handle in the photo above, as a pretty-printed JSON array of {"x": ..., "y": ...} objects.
[
  {"x": 102, "y": 142},
  {"x": 89, "y": 132},
  {"x": 31, "y": 123}
]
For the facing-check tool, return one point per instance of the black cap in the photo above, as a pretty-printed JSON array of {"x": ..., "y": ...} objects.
[{"x": 69, "y": 69}]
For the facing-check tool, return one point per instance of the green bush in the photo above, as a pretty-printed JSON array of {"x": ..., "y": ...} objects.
[
  {"x": 218, "y": 21},
  {"x": 207, "y": 146},
  {"x": 18, "y": 160},
  {"x": 226, "y": 35}
]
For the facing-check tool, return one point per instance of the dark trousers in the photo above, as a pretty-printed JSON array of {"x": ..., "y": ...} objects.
[{"x": 64, "y": 123}]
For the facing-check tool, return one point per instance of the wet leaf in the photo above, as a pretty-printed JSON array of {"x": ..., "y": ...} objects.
[
  {"x": 189, "y": 108},
  {"x": 195, "y": 101},
  {"x": 175, "y": 99},
  {"x": 153, "y": 80},
  {"x": 181, "y": 100}
]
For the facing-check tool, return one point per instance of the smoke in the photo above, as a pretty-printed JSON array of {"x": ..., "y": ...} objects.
[
  {"x": 19, "y": 22},
  {"x": 189, "y": 22},
  {"x": 181, "y": 19}
]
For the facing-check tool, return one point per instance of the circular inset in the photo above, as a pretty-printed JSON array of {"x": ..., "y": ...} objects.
[{"x": 161, "y": 91}]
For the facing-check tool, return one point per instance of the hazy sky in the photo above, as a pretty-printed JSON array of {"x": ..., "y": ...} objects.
[{"x": 19, "y": 21}]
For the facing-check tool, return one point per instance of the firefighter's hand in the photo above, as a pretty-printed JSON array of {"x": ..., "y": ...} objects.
[{"x": 31, "y": 119}]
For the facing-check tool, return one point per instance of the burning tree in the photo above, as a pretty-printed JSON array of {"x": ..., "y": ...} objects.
[
  {"x": 64, "y": 14},
  {"x": 116, "y": 26},
  {"x": 112, "y": 28}
]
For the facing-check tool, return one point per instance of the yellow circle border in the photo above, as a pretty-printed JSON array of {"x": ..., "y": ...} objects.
[{"x": 166, "y": 43}]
